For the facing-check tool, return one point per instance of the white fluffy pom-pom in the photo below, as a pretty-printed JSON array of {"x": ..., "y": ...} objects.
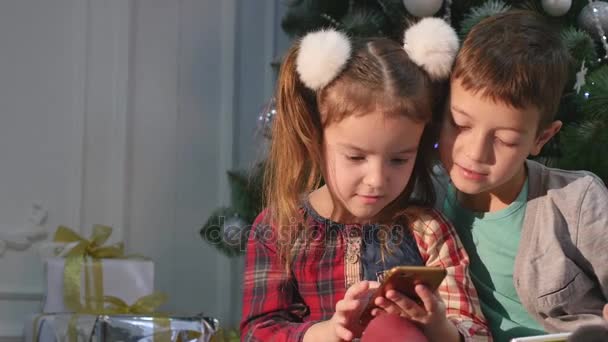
[
  {"x": 322, "y": 56},
  {"x": 432, "y": 44}
]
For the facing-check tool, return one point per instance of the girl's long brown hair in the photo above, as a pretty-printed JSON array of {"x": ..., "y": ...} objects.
[{"x": 378, "y": 76}]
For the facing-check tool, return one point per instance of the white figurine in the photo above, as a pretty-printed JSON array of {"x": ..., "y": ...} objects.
[{"x": 580, "y": 78}]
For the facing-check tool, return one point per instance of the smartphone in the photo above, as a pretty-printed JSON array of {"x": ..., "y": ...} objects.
[{"x": 404, "y": 279}]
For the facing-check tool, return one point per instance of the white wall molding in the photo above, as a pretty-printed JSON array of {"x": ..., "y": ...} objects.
[
  {"x": 75, "y": 164},
  {"x": 229, "y": 38},
  {"x": 124, "y": 14},
  {"x": 5, "y": 338},
  {"x": 21, "y": 295},
  {"x": 108, "y": 109}
]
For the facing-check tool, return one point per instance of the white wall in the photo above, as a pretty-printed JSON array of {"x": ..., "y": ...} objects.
[{"x": 128, "y": 113}]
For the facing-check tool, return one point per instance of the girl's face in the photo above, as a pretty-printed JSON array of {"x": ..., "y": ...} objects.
[{"x": 368, "y": 161}]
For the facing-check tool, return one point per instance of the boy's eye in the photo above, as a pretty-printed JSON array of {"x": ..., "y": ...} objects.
[
  {"x": 504, "y": 143},
  {"x": 453, "y": 122},
  {"x": 461, "y": 127}
]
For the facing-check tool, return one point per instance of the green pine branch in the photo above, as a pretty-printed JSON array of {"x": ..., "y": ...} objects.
[
  {"x": 246, "y": 203},
  {"x": 581, "y": 46},
  {"x": 595, "y": 107},
  {"x": 479, "y": 13},
  {"x": 212, "y": 232},
  {"x": 584, "y": 147}
]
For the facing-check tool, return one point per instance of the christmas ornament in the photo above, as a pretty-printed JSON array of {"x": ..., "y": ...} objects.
[
  {"x": 586, "y": 19},
  {"x": 422, "y": 8},
  {"x": 234, "y": 233},
  {"x": 266, "y": 117},
  {"x": 598, "y": 13},
  {"x": 556, "y": 8}
]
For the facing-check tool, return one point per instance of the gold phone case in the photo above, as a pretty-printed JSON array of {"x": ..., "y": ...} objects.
[{"x": 404, "y": 279}]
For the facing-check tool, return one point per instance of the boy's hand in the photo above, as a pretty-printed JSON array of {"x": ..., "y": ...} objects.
[
  {"x": 430, "y": 314},
  {"x": 345, "y": 321},
  {"x": 606, "y": 312}
]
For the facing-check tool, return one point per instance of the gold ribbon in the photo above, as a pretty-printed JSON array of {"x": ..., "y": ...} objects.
[
  {"x": 76, "y": 258},
  {"x": 146, "y": 306}
]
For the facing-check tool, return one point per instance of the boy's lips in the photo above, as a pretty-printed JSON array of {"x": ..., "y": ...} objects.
[{"x": 471, "y": 174}]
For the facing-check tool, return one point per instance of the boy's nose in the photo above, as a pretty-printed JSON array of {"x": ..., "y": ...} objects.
[{"x": 478, "y": 148}]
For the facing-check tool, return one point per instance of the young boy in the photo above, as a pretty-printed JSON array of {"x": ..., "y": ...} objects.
[{"x": 537, "y": 237}]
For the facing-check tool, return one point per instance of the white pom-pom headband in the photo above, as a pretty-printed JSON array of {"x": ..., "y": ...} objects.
[
  {"x": 322, "y": 57},
  {"x": 431, "y": 43}
]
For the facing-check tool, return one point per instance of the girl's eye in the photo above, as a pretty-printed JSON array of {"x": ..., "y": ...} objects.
[
  {"x": 355, "y": 158},
  {"x": 399, "y": 161}
]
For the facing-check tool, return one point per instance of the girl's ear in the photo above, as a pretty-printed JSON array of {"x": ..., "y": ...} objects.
[{"x": 544, "y": 136}]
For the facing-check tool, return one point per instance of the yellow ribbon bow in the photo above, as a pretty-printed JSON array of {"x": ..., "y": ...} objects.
[
  {"x": 147, "y": 306},
  {"x": 75, "y": 259},
  {"x": 94, "y": 247}
]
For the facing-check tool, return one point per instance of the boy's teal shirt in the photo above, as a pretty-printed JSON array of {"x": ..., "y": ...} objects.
[
  {"x": 492, "y": 240},
  {"x": 559, "y": 267}
]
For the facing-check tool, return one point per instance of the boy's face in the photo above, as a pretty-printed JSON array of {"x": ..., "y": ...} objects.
[{"x": 484, "y": 143}]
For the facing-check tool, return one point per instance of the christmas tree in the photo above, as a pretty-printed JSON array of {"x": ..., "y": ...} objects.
[{"x": 580, "y": 145}]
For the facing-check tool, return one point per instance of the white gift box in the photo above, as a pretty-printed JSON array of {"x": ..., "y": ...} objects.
[{"x": 127, "y": 279}]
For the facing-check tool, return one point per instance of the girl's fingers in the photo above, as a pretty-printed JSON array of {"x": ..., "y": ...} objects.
[
  {"x": 373, "y": 285},
  {"x": 429, "y": 300},
  {"x": 340, "y": 319},
  {"x": 378, "y": 311},
  {"x": 347, "y": 305},
  {"x": 360, "y": 289},
  {"x": 408, "y": 306},
  {"x": 344, "y": 333},
  {"x": 387, "y": 306}
]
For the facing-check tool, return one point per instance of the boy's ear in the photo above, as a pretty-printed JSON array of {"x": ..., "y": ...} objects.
[{"x": 545, "y": 135}]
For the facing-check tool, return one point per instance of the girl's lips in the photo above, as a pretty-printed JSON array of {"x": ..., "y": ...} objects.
[{"x": 370, "y": 199}]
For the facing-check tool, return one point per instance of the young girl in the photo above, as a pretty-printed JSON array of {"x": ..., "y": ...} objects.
[{"x": 349, "y": 146}]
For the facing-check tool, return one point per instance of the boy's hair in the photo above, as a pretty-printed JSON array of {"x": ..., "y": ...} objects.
[
  {"x": 516, "y": 58},
  {"x": 379, "y": 76}
]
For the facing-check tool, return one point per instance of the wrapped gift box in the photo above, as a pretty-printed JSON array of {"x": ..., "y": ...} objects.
[
  {"x": 128, "y": 279},
  {"x": 125, "y": 328}
]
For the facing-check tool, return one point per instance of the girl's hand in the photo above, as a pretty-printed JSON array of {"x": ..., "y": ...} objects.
[
  {"x": 606, "y": 312},
  {"x": 430, "y": 316},
  {"x": 431, "y": 312},
  {"x": 345, "y": 321}
]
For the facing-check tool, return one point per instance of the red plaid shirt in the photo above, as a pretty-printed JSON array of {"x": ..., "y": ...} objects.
[{"x": 281, "y": 306}]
